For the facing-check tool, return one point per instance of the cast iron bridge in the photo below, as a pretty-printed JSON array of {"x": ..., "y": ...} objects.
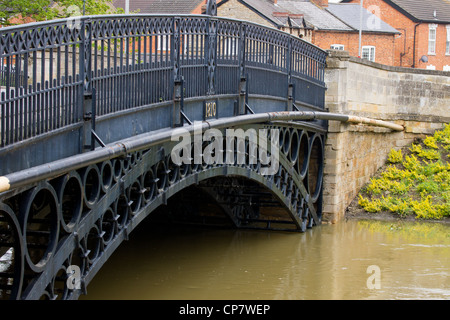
[{"x": 89, "y": 106}]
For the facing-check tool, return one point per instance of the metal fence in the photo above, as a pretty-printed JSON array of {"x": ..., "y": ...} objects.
[
  {"x": 11, "y": 76},
  {"x": 135, "y": 60}
]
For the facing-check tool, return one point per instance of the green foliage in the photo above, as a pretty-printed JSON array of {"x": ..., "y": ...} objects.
[
  {"x": 416, "y": 184},
  {"x": 411, "y": 163},
  {"x": 443, "y": 136},
  {"x": 425, "y": 209},
  {"x": 370, "y": 205},
  {"x": 430, "y": 154},
  {"x": 430, "y": 142},
  {"x": 47, "y": 9},
  {"x": 428, "y": 187},
  {"x": 37, "y": 9},
  {"x": 395, "y": 205},
  {"x": 92, "y": 7},
  {"x": 395, "y": 156}
]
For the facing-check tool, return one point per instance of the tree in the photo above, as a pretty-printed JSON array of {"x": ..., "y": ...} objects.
[
  {"x": 91, "y": 7},
  {"x": 37, "y": 9},
  {"x": 41, "y": 10}
]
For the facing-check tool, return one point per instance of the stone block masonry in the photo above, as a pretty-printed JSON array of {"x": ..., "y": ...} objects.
[{"x": 419, "y": 100}]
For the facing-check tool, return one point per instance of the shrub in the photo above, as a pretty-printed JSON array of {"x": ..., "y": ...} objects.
[
  {"x": 430, "y": 142},
  {"x": 430, "y": 154},
  {"x": 425, "y": 209},
  {"x": 422, "y": 175},
  {"x": 411, "y": 163},
  {"x": 395, "y": 156},
  {"x": 428, "y": 187},
  {"x": 370, "y": 206}
]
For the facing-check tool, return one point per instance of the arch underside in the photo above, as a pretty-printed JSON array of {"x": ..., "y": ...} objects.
[{"x": 81, "y": 217}]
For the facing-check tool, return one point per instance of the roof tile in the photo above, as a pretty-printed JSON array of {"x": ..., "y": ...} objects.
[
  {"x": 350, "y": 14},
  {"x": 160, "y": 6},
  {"x": 424, "y": 10}
]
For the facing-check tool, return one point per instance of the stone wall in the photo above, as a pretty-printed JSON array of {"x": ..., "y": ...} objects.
[
  {"x": 235, "y": 9},
  {"x": 417, "y": 99}
]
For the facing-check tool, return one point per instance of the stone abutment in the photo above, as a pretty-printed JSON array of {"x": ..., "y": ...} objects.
[{"x": 419, "y": 100}]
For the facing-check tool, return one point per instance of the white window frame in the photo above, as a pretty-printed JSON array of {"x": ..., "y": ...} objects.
[
  {"x": 368, "y": 52},
  {"x": 447, "y": 43},
  {"x": 162, "y": 42},
  {"x": 228, "y": 47},
  {"x": 431, "y": 67},
  {"x": 432, "y": 36},
  {"x": 446, "y": 68},
  {"x": 337, "y": 47}
]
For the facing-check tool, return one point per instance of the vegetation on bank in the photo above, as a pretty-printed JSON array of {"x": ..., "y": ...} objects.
[{"x": 415, "y": 182}]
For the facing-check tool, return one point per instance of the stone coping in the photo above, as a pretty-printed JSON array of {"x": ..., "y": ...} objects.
[{"x": 343, "y": 55}]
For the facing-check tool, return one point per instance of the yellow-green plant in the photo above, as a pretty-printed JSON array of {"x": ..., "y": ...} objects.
[
  {"x": 424, "y": 175},
  {"x": 399, "y": 206},
  {"x": 430, "y": 154},
  {"x": 395, "y": 156},
  {"x": 393, "y": 173},
  {"x": 430, "y": 142},
  {"x": 426, "y": 209},
  {"x": 370, "y": 205},
  {"x": 411, "y": 163}
]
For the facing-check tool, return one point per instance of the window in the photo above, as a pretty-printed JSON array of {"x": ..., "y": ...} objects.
[
  {"x": 163, "y": 42},
  {"x": 431, "y": 67},
  {"x": 447, "y": 43},
  {"x": 432, "y": 39},
  {"x": 446, "y": 68},
  {"x": 368, "y": 52},
  {"x": 227, "y": 47},
  {"x": 337, "y": 47}
]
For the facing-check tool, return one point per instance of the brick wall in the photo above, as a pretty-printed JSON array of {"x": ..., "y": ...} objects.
[
  {"x": 384, "y": 43},
  {"x": 438, "y": 60},
  {"x": 404, "y": 45},
  {"x": 320, "y": 3},
  {"x": 417, "y": 99}
]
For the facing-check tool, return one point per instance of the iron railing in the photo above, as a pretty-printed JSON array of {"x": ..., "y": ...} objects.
[
  {"x": 135, "y": 60},
  {"x": 11, "y": 76}
]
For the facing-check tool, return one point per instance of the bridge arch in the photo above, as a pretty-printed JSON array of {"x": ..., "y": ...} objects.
[{"x": 80, "y": 217}]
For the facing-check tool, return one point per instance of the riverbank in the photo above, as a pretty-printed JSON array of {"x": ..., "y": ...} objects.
[
  {"x": 356, "y": 212},
  {"x": 413, "y": 185}
]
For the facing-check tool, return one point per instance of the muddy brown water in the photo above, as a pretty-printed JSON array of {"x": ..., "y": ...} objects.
[{"x": 354, "y": 259}]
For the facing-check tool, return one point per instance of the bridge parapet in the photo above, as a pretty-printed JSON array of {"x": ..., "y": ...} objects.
[{"x": 77, "y": 76}]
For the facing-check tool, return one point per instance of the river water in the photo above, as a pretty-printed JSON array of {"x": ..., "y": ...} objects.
[{"x": 353, "y": 259}]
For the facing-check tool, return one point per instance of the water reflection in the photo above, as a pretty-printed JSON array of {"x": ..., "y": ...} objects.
[{"x": 327, "y": 262}]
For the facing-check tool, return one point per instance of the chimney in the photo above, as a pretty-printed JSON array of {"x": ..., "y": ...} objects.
[
  {"x": 320, "y": 3},
  {"x": 280, "y": 14},
  {"x": 274, "y": 1}
]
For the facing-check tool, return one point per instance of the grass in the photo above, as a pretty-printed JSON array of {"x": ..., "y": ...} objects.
[{"x": 416, "y": 180}]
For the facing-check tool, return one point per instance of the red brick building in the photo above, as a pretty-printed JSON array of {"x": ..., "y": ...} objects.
[
  {"x": 327, "y": 25},
  {"x": 162, "y": 6},
  {"x": 424, "y": 27},
  {"x": 377, "y": 38}
]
